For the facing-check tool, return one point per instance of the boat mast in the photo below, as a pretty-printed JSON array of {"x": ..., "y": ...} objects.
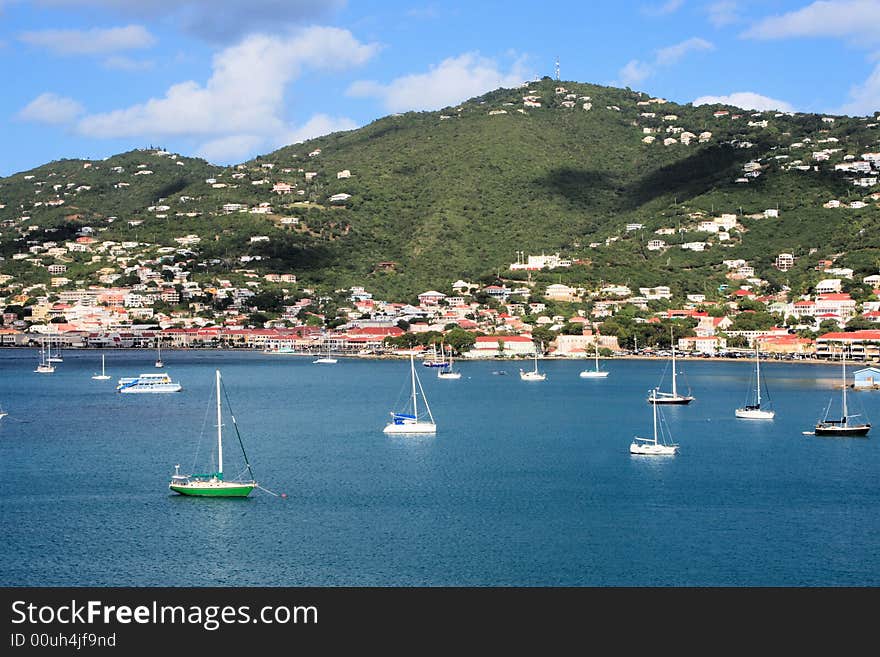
[
  {"x": 219, "y": 432},
  {"x": 843, "y": 363},
  {"x": 424, "y": 398},
  {"x": 654, "y": 404},
  {"x": 758, "y": 372},
  {"x": 412, "y": 369},
  {"x": 674, "y": 389},
  {"x": 597, "y": 355}
]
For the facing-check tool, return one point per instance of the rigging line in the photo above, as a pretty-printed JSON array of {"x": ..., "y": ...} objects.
[
  {"x": 235, "y": 425},
  {"x": 269, "y": 491},
  {"x": 202, "y": 433}
]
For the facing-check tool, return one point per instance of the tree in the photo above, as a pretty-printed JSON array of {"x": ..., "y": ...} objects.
[
  {"x": 543, "y": 334},
  {"x": 460, "y": 340},
  {"x": 258, "y": 319},
  {"x": 828, "y": 326},
  {"x": 859, "y": 323}
]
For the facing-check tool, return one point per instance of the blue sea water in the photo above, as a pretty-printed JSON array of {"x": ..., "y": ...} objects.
[{"x": 524, "y": 484}]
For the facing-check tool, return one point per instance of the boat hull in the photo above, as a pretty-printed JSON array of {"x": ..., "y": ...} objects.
[
  {"x": 754, "y": 414},
  {"x": 670, "y": 400},
  {"x": 650, "y": 449},
  {"x": 213, "y": 489},
  {"x": 593, "y": 375},
  {"x": 448, "y": 375},
  {"x": 855, "y": 430},
  {"x": 134, "y": 390},
  {"x": 411, "y": 428}
]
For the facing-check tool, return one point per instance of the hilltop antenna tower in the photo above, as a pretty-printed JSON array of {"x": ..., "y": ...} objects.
[{"x": 557, "y": 68}]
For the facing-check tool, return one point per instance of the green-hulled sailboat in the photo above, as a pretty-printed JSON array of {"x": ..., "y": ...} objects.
[{"x": 214, "y": 484}]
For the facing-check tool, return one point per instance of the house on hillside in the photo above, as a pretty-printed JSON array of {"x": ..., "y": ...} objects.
[{"x": 507, "y": 346}]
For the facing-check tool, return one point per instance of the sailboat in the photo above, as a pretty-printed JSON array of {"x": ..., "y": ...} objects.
[
  {"x": 159, "y": 362},
  {"x": 434, "y": 360},
  {"x": 57, "y": 358},
  {"x": 534, "y": 375},
  {"x": 596, "y": 373},
  {"x": 412, "y": 422},
  {"x": 45, "y": 366},
  {"x": 215, "y": 484},
  {"x": 103, "y": 376},
  {"x": 446, "y": 372},
  {"x": 326, "y": 359},
  {"x": 755, "y": 411},
  {"x": 845, "y": 426},
  {"x": 658, "y": 397},
  {"x": 656, "y": 446}
]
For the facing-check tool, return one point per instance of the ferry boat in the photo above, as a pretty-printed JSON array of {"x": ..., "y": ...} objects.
[{"x": 146, "y": 383}]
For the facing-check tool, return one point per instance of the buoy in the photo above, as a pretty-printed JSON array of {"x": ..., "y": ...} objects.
[{"x": 284, "y": 495}]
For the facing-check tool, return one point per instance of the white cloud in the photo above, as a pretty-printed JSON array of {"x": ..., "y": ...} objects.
[
  {"x": 668, "y": 7},
  {"x": 865, "y": 97},
  {"x": 51, "y": 108},
  {"x": 236, "y": 148},
  {"x": 858, "y": 19},
  {"x": 634, "y": 72},
  {"x": 224, "y": 21},
  {"x": 746, "y": 100},
  {"x": 723, "y": 13},
  {"x": 241, "y": 106},
  {"x": 90, "y": 42},
  {"x": 453, "y": 80},
  {"x": 319, "y": 124},
  {"x": 637, "y": 71},
  {"x": 673, "y": 54},
  {"x": 233, "y": 148},
  {"x": 244, "y": 94}
]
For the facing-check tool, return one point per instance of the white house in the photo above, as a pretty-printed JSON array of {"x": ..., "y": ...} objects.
[
  {"x": 828, "y": 286},
  {"x": 431, "y": 298},
  {"x": 490, "y": 346},
  {"x": 560, "y": 292}
]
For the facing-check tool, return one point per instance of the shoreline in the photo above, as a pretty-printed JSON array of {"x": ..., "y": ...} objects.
[{"x": 460, "y": 359}]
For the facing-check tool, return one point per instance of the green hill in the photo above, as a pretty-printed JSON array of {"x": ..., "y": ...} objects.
[{"x": 456, "y": 193}]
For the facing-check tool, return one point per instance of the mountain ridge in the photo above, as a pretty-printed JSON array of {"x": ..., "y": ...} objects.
[{"x": 456, "y": 193}]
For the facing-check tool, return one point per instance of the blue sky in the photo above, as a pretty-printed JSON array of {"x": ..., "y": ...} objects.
[{"x": 230, "y": 79}]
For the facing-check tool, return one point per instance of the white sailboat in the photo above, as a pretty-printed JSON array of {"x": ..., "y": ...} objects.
[
  {"x": 328, "y": 359},
  {"x": 45, "y": 366},
  {"x": 57, "y": 358},
  {"x": 446, "y": 372},
  {"x": 534, "y": 375},
  {"x": 659, "y": 397},
  {"x": 159, "y": 362},
  {"x": 656, "y": 446},
  {"x": 410, "y": 421},
  {"x": 846, "y": 425},
  {"x": 103, "y": 376},
  {"x": 215, "y": 484},
  {"x": 755, "y": 411},
  {"x": 596, "y": 373}
]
